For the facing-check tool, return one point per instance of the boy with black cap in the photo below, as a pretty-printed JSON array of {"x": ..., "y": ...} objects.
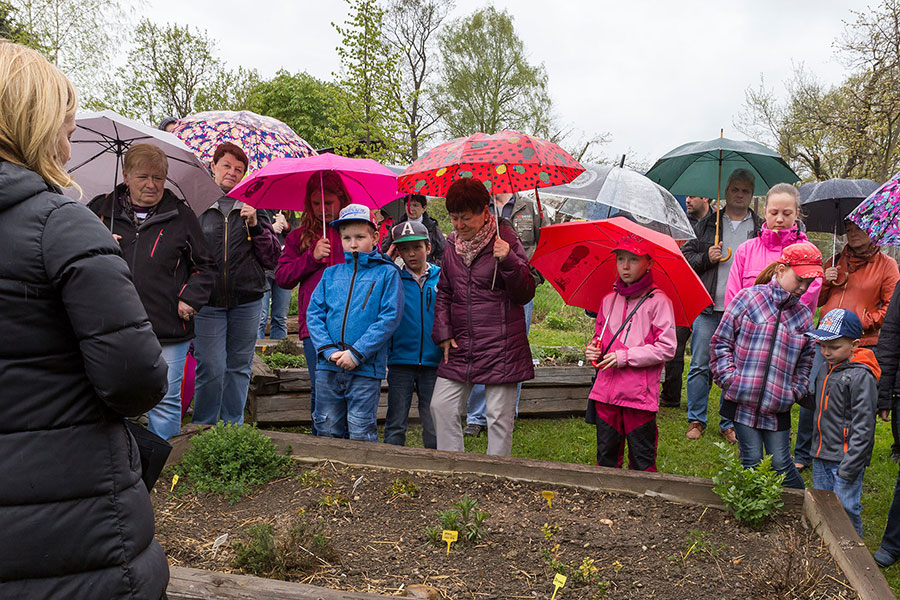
[
  {"x": 352, "y": 314},
  {"x": 846, "y": 389},
  {"x": 414, "y": 358}
]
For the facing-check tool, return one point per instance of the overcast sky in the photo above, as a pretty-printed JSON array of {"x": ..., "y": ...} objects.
[{"x": 654, "y": 74}]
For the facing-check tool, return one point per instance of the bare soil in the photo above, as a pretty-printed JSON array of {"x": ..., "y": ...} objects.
[{"x": 609, "y": 545}]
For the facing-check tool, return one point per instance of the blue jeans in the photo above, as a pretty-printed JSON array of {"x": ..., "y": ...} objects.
[
  {"x": 803, "y": 444},
  {"x": 825, "y": 477},
  {"x": 280, "y": 303},
  {"x": 309, "y": 352},
  {"x": 224, "y": 346},
  {"x": 165, "y": 417},
  {"x": 476, "y": 404},
  {"x": 752, "y": 441},
  {"x": 890, "y": 541},
  {"x": 347, "y": 405},
  {"x": 699, "y": 378},
  {"x": 402, "y": 381}
]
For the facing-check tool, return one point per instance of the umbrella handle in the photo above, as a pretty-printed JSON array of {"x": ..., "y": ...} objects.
[{"x": 726, "y": 258}]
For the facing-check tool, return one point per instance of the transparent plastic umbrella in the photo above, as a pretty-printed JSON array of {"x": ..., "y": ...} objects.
[{"x": 604, "y": 191}]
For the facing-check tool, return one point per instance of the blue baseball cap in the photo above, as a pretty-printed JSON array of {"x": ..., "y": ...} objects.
[
  {"x": 838, "y": 323},
  {"x": 354, "y": 212}
]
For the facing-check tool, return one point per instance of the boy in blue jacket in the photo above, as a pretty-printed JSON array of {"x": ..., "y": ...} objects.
[
  {"x": 413, "y": 358},
  {"x": 352, "y": 314},
  {"x": 846, "y": 388}
]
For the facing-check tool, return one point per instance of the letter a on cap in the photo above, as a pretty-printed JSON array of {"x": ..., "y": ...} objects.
[{"x": 407, "y": 229}]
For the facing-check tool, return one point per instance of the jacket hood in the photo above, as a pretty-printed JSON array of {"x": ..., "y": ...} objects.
[
  {"x": 863, "y": 358},
  {"x": 777, "y": 240},
  {"x": 18, "y": 184}
]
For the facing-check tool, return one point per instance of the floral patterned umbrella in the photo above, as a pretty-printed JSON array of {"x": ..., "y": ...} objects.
[
  {"x": 505, "y": 162},
  {"x": 877, "y": 215},
  {"x": 262, "y": 138}
]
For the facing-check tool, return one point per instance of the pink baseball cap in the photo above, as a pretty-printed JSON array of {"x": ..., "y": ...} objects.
[
  {"x": 804, "y": 258},
  {"x": 634, "y": 244}
]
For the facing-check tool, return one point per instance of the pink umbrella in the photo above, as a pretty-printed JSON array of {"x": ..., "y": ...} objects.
[{"x": 281, "y": 184}]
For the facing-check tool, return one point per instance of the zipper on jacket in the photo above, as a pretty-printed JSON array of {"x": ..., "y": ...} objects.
[
  {"x": 823, "y": 406},
  {"x": 225, "y": 263},
  {"x": 349, "y": 295},
  {"x": 421, "y": 321},
  {"x": 156, "y": 243},
  {"x": 366, "y": 301}
]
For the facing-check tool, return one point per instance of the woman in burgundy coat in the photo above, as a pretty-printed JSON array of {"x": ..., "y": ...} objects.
[{"x": 479, "y": 320}]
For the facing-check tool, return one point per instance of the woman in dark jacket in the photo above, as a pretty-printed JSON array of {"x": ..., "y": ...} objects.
[
  {"x": 244, "y": 245},
  {"x": 172, "y": 269},
  {"x": 79, "y": 355},
  {"x": 479, "y": 319}
]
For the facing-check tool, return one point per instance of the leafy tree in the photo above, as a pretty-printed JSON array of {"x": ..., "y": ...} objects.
[
  {"x": 174, "y": 71},
  {"x": 487, "y": 83},
  {"x": 368, "y": 116},
  {"x": 411, "y": 27},
  {"x": 10, "y": 29},
  {"x": 307, "y": 105},
  {"x": 850, "y": 130},
  {"x": 78, "y": 36}
]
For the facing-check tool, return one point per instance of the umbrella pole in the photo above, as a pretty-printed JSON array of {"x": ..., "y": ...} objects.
[
  {"x": 322, "y": 191},
  {"x": 834, "y": 244},
  {"x": 497, "y": 222},
  {"x": 112, "y": 215}
]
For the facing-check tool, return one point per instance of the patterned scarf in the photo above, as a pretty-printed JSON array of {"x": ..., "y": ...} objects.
[
  {"x": 857, "y": 260},
  {"x": 469, "y": 249}
]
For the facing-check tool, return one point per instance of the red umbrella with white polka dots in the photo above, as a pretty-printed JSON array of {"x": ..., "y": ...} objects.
[{"x": 505, "y": 162}]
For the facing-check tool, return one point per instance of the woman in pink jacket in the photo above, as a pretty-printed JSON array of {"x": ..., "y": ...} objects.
[
  {"x": 634, "y": 337},
  {"x": 307, "y": 251},
  {"x": 780, "y": 230}
]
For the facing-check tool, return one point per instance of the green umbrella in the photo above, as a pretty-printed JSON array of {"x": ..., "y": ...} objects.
[{"x": 698, "y": 169}]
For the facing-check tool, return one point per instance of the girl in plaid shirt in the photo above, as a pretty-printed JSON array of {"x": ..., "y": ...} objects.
[{"x": 762, "y": 361}]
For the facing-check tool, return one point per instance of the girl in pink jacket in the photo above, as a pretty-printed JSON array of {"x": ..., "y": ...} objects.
[
  {"x": 780, "y": 230},
  {"x": 634, "y": 337}
]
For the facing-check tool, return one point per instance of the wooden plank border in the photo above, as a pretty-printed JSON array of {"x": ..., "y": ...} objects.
[{"x": 821, "y": 509}]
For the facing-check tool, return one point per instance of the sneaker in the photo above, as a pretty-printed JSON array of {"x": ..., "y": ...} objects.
[
  {"x": 473, "y": 429},
  {"x": 729, "y": 435},
  {"x": 883, "y": 558},
  {"x": 695, "y": 430}
]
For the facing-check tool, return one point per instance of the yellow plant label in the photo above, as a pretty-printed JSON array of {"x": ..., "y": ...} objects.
[
  {"x": 548, "y": 495},
  {"x": 174, "y": 481},
  {"x": 559, "y": 581},
  {"x": 449, "y": 536}
]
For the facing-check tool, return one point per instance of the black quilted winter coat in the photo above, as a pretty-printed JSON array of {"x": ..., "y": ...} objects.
[{"x": 77, "y": 355}]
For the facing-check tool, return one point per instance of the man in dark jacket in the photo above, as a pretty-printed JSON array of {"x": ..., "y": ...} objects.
[
  {"x": 415, "y": 212},
  {"x": 79, "y": 355},
  {"x": 738, "y": 224},
  {"x": 244, "y": 245},
  {"x": 172, "y": 269}
]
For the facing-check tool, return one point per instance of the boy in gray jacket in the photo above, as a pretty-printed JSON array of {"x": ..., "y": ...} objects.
[{"x": 846, "y": 390}]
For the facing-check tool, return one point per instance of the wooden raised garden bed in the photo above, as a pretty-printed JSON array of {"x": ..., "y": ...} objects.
[
  {"x": 383, "y": 550},
  {"x": 280, "y": 397}
]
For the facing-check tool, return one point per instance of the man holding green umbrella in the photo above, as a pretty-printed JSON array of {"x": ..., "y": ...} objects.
[{"x": 738, "y": 224}]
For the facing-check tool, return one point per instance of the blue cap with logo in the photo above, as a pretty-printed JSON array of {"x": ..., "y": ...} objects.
[
  {"x": 838, "y": 323},
  {"x": 354, "y": 212}
]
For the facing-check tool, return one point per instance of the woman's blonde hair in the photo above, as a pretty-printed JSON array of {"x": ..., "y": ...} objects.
[
  {"x": 786, "y": 188},
  {"x": 147, "y": 156},
  {"x": 35, "y": 101}
]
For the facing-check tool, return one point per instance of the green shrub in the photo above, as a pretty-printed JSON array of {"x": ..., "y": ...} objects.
[
  {"x": 559, "y": 322},
  {"x": 404, "y": 486},
  {"x": 304, "y": 547},
  {"x": 228, "y": 459},
  {"x": 293, "y": 309},
  {"x": 279, "y": 360},
  {"x": 464, "y": 518},
  {"x": 752, "y": 495}
]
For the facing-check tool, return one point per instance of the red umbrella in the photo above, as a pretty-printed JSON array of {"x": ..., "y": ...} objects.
[
  {"x": 506, "y": 162},
  {"x": 577, "y": 259}
]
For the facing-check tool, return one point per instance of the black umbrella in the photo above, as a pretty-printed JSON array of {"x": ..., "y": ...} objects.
[{"x": 827, "y": 204}]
